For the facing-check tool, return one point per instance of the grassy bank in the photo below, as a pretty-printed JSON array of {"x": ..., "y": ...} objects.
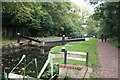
[
  {"x": 80, "y": 46},
  {"x": 114, "y": 41}
]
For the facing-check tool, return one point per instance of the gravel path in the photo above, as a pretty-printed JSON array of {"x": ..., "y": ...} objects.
[{"x": 108, "y": 58}]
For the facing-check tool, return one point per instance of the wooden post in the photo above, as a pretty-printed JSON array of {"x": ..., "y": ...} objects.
[
  {"x": 87, "y": 59},
  {"x": 65, "y": 57}
]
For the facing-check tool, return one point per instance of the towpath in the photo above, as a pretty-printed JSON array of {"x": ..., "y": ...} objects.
[{"x": 108, "y": 58}]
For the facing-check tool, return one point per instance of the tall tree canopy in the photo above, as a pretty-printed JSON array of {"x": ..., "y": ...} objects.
[
  {"x": 108, "y": 14},
  {"x": 42, "y": 18}
]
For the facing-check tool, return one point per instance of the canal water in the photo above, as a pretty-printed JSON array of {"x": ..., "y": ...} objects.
[{"x": 12, "y": 55}]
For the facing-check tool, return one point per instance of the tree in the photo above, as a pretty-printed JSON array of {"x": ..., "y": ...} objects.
[
  {"x": 108, "y": 15},
  {"x": 42, "y": 18},
  {"x": 20, "y": 16}
]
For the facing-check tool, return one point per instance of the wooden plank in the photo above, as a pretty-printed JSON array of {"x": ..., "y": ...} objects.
[
  {"x": 81, "y": 59},
  {"x": 45, "y": 65},
  {"x": 19, "y": 77},
  {"x": 72, "y": 52},
  {"x": 86, "y": 39}
]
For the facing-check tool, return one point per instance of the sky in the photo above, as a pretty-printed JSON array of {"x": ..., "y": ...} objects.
[{"x": 82, "y": 3}]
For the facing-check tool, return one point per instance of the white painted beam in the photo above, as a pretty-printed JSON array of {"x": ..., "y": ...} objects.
[
  {"x": 72, "y": 52},
  {"x": 81, "y": 59}
]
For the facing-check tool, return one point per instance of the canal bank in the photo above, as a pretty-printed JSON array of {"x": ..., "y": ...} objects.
[{"x": 32, "y": 52}]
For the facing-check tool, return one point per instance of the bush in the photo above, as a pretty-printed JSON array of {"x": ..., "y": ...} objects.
[
  {"x": 114, "y": 41},
  {"x": 7, "y": 38}
]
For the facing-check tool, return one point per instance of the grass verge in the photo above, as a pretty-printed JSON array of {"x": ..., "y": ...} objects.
[
  {"x": 69, "y": 61},
  {"x": 81, "y": 46}
]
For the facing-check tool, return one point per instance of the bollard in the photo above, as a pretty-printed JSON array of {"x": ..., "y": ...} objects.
[
  {"x": 65, "y": 54},
  {"x": 87, "y": 59},
  {"x": 63, "y": 40},
  {"x": 63, "y": 49},
  {"x": 18, "y": 38}
]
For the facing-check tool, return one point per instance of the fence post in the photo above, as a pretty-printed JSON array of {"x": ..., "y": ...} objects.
[
  {"x": 18, "y": 38},
  {"x": 65, "y": 54},
  {"x": 65, "y": 57},
  {"x": 63, "y": 39},
  {"x": 87, "y": 59}
]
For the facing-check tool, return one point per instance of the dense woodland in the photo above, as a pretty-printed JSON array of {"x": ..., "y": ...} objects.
[
  {"x": 108, "y": 16},
  {"x": 41, "y": 18},
  {"x": 57, "y": 18}
]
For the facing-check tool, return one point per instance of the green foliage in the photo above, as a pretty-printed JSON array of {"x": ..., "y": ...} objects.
[
  {"x": 7, "y": 38},
  {"x": 69, "y": 61},
  {"x": 19, "y": 16},
  {"x": 42, "y": 18},
  {"x": 47, "y": 74},
  {"x": 5, "y": 75},
  {"x": 92, "y": 29},
  {"x": 114, "y": 41},
  {"x": 108, "y": 16}
]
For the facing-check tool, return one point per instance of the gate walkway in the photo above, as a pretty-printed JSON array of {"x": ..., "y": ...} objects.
[{"x": 108, "y": 58}]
